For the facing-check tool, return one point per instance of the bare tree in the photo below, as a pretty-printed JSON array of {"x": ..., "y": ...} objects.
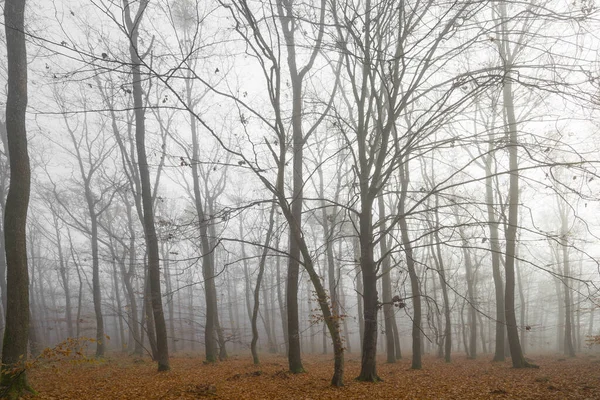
[
  {"x": 14, "y": 348},
  {"x": 132, "y": 25}
]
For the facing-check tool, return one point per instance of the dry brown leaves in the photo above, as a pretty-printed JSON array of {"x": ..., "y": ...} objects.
[{"x": 238, "y": 378}]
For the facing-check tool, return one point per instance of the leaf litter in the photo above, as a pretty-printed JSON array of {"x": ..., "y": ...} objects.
[{"x": 122, "y": 377}]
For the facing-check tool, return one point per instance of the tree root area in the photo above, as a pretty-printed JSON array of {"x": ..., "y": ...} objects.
[{"x": 123, "y": 377}]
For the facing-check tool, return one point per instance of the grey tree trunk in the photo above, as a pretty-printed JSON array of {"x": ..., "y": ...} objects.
[
  {"x": 147, "y": 203},
  {"x": 569, "y": 348},
  {"x": 386, "y": 283},
  {"x": 470, "y": 277},
  {"x": 439, "y": 261},
  {"x": 261, "y": 271},
  {"x": 499, "y": 350},
  {"x": 411, "y": 266}
]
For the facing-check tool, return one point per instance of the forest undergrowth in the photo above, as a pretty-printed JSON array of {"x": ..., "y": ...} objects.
[{"x": 123, "y": 377}]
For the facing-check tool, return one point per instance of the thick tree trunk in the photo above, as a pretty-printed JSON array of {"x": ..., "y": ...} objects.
[
  {"x": 212, "y": 241},
  {"x": 293, "y": 325},
  {"x": 368, "y": 371},
  {"x": 14, "y": 348},
  {"x": 149, "y": 319}
]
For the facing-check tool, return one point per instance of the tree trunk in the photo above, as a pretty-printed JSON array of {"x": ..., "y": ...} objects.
[
  {"x": 470, "y": 277},
  {"x": 147, "y": 203},
  {"x": 499, "y": 350},
  {"x": 359, "y": 295},
  {"x": 149, "y": 318},
  {"x": 280, "y": 301},
  {"x": 439, "y": 261},
  {"x": 64, "y": 276},
  {"x": 261, "y": 271},
  {"x": 521, "y": 304},
  {"x": 100, "y": 340},
  {"x": 14, "y": 348},
  {"x": 411, "y": 266},
  {"x": 169, "y": 289},
  {"x": 368, "y": 371},
  {"x": 117, "y": 296},
  {"x": 518, "y": 361},
  {"x": 386, "y": 283},
  {"x": 569, "y": 349},
  {"x": 212, "y": 241}
]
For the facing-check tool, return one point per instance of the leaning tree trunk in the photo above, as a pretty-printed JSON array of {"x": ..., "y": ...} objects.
[
  {"x": 147, "y": 203},
  {"x": 261, "y": 271},
  {"x": 14, "y": 348}
]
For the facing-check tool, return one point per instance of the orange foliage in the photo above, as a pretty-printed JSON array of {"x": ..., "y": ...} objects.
[{"x": 131, "y": 378}]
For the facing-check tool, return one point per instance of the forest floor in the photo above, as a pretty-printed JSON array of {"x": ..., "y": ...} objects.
[{"x": 121, "y": 377}]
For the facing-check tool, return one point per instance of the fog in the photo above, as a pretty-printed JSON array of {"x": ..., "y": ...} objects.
[{"x": 396, "y": 178}]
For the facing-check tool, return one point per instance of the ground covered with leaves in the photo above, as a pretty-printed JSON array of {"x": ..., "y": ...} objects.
[{"x": 122, "y": 377}]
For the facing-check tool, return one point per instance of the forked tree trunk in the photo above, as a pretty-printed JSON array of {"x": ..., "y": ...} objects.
[{"x": 147, "y": 203}]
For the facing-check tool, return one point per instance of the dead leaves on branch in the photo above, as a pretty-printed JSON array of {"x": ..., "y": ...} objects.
[{"x": 123, "y": 377}]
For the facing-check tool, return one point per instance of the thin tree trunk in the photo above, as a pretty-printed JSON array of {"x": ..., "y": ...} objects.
[
  {"x": 412, "y": 273},
  {"x": 169, "y": 289},
  {"x": 470, "y": 277},
  {"x": 64, "y": 276},
  {"x": 386, "y": 283},
  {"x": 117, "y": 296},
  {"x": 439, "y": 261},
  {"x": 261, "y": 271},
  {"x": 147, "y": 203}
]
